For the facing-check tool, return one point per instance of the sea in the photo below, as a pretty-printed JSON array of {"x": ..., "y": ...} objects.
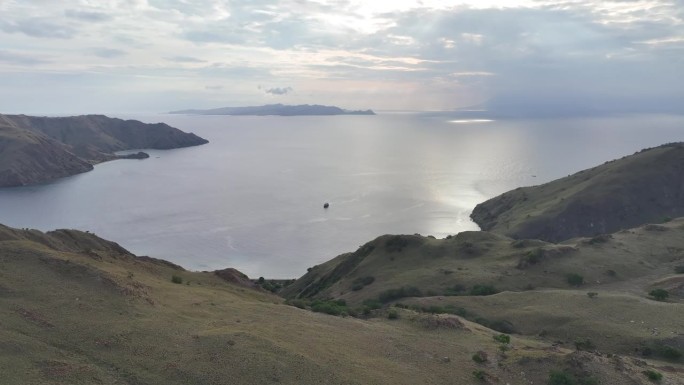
[{"x": 253, "y": 198}]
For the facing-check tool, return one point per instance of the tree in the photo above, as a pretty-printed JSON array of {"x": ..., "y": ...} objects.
[{"x": 659, "y": 294}]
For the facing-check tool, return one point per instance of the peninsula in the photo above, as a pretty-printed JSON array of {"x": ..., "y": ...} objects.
[
  {"x": 40, "y": 149},
  {"x": 277, "y": 109}
]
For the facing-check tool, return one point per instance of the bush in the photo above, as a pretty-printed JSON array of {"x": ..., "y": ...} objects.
[
  {"x": 298, "y": 303},
  {"x": 359, "y": 283},
  {"x": 176, "y": 279},
  {"x": 670, "y": 353},
  {"x": 392, "y": 294},
  {"x": 457, "y": 289},
  {"x": 503, "y": 338},
  {"x": 396, "y": 243},
  {"x": 574, "y": 279},
  {"x": 659, "y": 294},
  {"x": 679, "y": 269},
  {"x": 558, "y": 377},
  {"x": 329, "y": 307},
  {"x": 535, "y": 256},
  {"x": 393, "y": 314},
  {"x": 483, "y": 290},
  {"x": 592, "y": 294},
  {"x": 502, "y": 326},
  {"x": 584, "y": 344},
  {"x": 653, "y": 375},
  {"x": 479, "y": 374},
  {"x": 372, "y": 304},
  {"x": 480, "y": 357}
]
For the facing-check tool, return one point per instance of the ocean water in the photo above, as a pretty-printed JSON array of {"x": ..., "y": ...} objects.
[{"x": 253, "y": 197}]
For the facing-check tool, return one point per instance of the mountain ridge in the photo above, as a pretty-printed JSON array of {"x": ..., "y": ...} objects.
[
  {"x": 276, "y": 109},
  {"x": 41, "y": 149}
]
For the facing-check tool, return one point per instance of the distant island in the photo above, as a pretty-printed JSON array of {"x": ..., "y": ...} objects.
[
  {"x": 277, "y": 109},
  {"x": 40, "y": 149}
]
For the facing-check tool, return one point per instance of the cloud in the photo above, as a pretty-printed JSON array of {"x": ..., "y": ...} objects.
[
  {"x": 185, "y": 59},
  {"x": 425, "y": 54},
  {"x": 108, "y": 53},
  {"x": 90, "y": 16},
  {"x": 38, "y": 27},
  {"x": 278, "y": 90},
  {"x": 21, "y": 59}
]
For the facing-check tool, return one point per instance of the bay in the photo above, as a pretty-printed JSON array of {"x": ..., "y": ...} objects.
[{"x": 253, "y": 197}]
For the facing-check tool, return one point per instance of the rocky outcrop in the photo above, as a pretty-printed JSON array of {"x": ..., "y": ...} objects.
[
  {"x": 40, "y": 149},
  {"x": 647, "y": 187}
]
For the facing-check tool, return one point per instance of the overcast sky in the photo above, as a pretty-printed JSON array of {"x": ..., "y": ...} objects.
[{"x": 99, "y": 56}]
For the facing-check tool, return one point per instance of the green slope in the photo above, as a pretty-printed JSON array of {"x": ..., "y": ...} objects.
[{"x": 646, "y": 187}]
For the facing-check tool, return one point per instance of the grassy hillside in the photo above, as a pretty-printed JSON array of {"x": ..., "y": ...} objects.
[
  {"x": 76, "y": 309},
  {"x": 647, "y": 187},
  {"x": 528, "y": 287}
]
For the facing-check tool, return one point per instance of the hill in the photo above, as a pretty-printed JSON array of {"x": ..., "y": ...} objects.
[
  {"x": 77, "y": 309},
  {"x": 276, "y": 109},
  {"x": 39, "y": 149},
  {"x": 529, "y": 287},
  {"x": 647, "y": 187}
]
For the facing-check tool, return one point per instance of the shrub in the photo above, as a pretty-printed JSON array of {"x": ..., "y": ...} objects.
[
  {"x": 534, "y": 257},
  {"x": 176, "y": 279},
  {"x": 299, "y": 303},
  {"x": 396, "y": 243},
  {"x": 601, "y": 238},
  {"x": 372, "y": 304},
  {"x": 653, "y": 375},
  {"x": 592, "y": 294},
  {"x": 670, "y": 353},
  {"x": 659, "y": 294},
  {"x": 679, "y": 269},
  {"x": 559, "y": 377},
  {"x": 584, "y": 344},
  {"x": 329, "y": 307},
  {"x": 435, "y": 309},
  {"x": 457, "y": 289},
  {"x": 479, "y": 374},
  {"x": 502, "y": 326},
  {"x": 503, "y": 338},
  {"x": 393, "y": 314},
  {"x": 359, "y": 283},
  {"x": 574, "y": 279},
  {"x": 483, "y": 290},
  {"x": 392, "y": 294},
  {"x": 480, "y": 357}
]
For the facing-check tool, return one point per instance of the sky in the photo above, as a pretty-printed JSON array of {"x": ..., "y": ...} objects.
[{"x": 519, "y": 56}]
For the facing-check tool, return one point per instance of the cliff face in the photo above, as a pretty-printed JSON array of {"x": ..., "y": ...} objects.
[
  {"x": 39, "y": 149},
  {"x": 647, "y": 187}
]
